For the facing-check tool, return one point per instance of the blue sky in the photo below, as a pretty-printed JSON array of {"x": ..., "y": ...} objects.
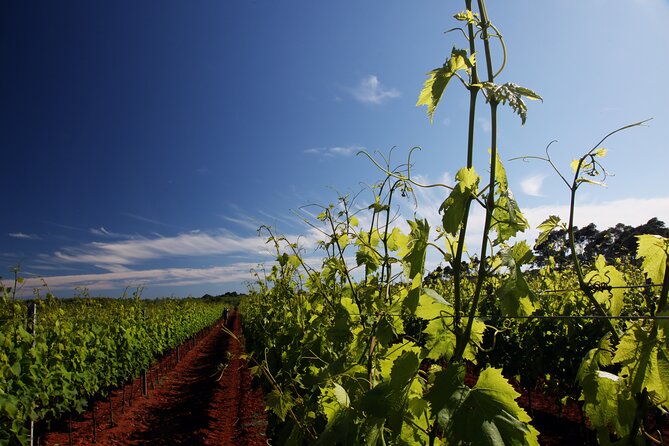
[{"x": 144, "y": 143}]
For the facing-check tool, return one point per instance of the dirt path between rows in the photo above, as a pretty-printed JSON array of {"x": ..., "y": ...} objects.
[{"x": 190, "y": 405}]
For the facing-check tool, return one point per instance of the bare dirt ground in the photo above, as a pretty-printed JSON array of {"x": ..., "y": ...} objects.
[{"x": 197, "y": 402}]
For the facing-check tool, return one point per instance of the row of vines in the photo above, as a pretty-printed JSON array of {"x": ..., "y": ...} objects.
[
  {"x": 366, "y": 348},
  {"x": 72, "y": 351}
]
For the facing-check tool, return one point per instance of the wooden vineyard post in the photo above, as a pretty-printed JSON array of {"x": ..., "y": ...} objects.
[
  {"x": 69, "y": 428},
  {"x": 95, "y": 421},
  {"x": 145, "y": 386},
  {"x": 111, "y": 412}
]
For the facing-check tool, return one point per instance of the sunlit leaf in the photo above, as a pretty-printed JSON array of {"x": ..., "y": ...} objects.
[
  {"x": 546, "y": 227},
  {"x": 512, "y": 94},
  {"x": 414, "y": 260},
  {"x": 438, "y": 79},
  {"x": 654, "y": 250},
  {"x": 508, "y": 219},
  {"x": 454, "y": 207},
  {"x": 607, "y": 275},
  {"x": 467, "y": 16},
  {"x": 486, "y": 414}
]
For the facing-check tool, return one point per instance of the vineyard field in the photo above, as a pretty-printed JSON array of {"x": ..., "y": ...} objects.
[
  {"x": 60, "y": 356},
  {"x": 195, "y": 403}
]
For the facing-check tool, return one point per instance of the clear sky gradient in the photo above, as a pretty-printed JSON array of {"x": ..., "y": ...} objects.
[{"x": 143, "y": 143}]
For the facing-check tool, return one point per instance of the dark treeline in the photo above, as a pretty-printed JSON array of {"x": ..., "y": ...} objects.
[{"x": 617, "y": 242}]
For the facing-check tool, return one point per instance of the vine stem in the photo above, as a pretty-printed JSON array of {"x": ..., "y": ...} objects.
[
  {"x": 457, "y": 264},
  {"x": 577, "y": 264},
  {"x": 462, "y": 341}
]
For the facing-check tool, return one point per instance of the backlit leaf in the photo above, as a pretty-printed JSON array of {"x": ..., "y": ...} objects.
[
  {"x": 546, "y": 227},
  {"x": 512, "y": 94},
  {"x": 609, "y": 276},
  {"x": 454, "y": 207},
  {"x": 486, "y": 414},
  {"x": 414, "y": 260},
  {"x": 438, "y": 79},
  {"x": 654, "y": 250}
]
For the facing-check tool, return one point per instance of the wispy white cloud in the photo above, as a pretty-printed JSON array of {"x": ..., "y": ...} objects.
[
  {"x": 532, "y": 185},
  {"x": 168, "y": 277},
  {"x": 371, "y": 91},
  {"x": 146, "y": 220},
  {"x": 331, "y": 152},
  {"x": 131, "y": 252},
  {"x": 245, "y": 222},
  {"x": 104, "y": 232},
  {"x": 291, "y": 221},
  {"x": 24, "y": 236}
]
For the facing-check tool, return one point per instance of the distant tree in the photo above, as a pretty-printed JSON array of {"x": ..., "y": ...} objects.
[{"x": 617, "y": 242}]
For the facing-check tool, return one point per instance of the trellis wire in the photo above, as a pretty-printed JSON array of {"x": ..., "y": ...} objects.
[{"x": 566, "y": 290}]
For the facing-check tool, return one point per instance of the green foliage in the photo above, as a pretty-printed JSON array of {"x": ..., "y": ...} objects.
[
  {"x": 516, "y": 297},
  {"x": 512, "y": 94},
  {"x": 366, "y": 352},
  {"x": 438, "y": 79},
  {"x": 546, "y": 227},
  {"x": 415, "y": 260},
  {"x": 455, "y": 205},
  {"x": 611, "y": 282},
  {"x": 507, "y": 218},
  {"x": 83, "y": 348},
  {"x": 654, "y": 251}
]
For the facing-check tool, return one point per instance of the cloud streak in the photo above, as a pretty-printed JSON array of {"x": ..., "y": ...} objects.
[
  {"x": 532, "y": 185},
  {"x": 370, "y": 91},
  {"x": 135, "y": 251},
  {"x": 331, "y": 152},
  {"x": 24, "y": 236},
  {"x": 167, "y": 277},
  {"x": 146, "y": 220},
  {"x": 244, "y": 222}
]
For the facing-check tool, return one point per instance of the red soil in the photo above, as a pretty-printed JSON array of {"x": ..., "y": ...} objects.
[{"x": 189, "y": 405}]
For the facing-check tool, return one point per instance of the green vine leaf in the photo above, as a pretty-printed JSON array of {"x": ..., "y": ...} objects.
[
  {"x": 279, "y": 403},
  {"x": 467, "y": 16},
  {"x": 654, "y": 250},
  {"x": 608, "y": 275},
  {"x": 508, "y": 220},
  {"x": 455, "y": 205},
  {"x": 486, "y": 414},
  {"x": 644, "y": 363},
  {"x": 388, "y": 400},
  {"x": 438, "y": 79},
  {"x": 414, "y": 260},
  {"x": 441, "y": 340},
  {"x": 516, "y": 297},
  {"x": 333, "y": 399},
  {"x": 546, "y": 227},
  {"x": 512, "y": 94},
  {"x": 609, "y": 404}
]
